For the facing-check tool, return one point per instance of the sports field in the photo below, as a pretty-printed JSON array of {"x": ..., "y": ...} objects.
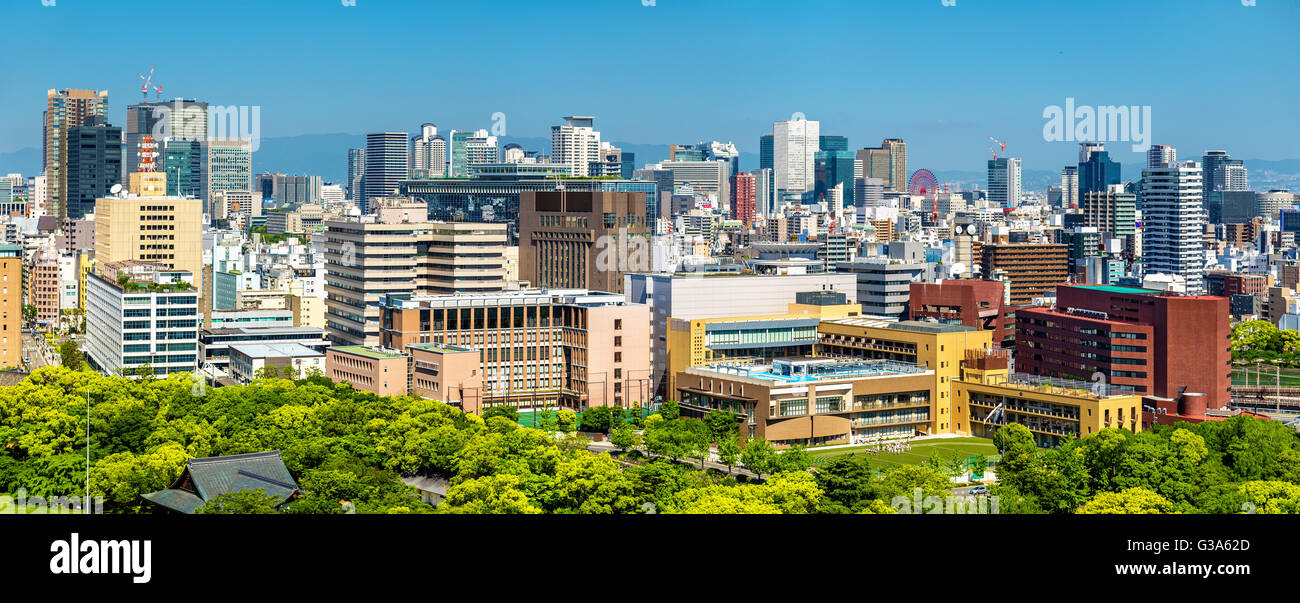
[
  {"x": 921, "y": 450},
  {"x": 1265, "y": 375}
]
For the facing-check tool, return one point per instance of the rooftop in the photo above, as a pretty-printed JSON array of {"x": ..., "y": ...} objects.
[
  {"x": 530, "y": 297},
  {"x": 361, "y": 350},
  {"x": 1119, "y": 289},
  {"x": 274, "y": 350},
  {"x": 440, "y": 348},
  {"x": 804, "y": 370}
]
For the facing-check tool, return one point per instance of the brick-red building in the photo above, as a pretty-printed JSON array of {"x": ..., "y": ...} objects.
[
  {"x": 744, "y": 197},
  {"x": 1160, "y": 344},
  {"x": 973, "y": 303}
]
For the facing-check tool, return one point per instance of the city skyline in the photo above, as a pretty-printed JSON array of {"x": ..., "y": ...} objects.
[{"x": 894, "y": 91}]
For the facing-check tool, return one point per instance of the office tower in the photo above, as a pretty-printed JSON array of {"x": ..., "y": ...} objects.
[
  {"x": 1111, "y": 211},
  {"x": 794, "y": 150},
  {"x": 583, "y": 240},
  {"x": 687, "y": 152},
  {"x": 471, "y": 148},
  {"x": 141, "y": 315},
  {"x": 1173, "y": 223},
  {"x": 705, "y": 177},
  {"x": 576, "y": 144},
  {"x": 1030, "y": 269},
  {"x": 1086, "y": 149},
  {"x": 1070, "y": 186},
  {"x": 1233, "y": 176},
  {"x": 877, "y": 162},
  {"x": 147, "y": 224},
  {"x": 356, "y": 171},
  {"x": 765, "y": 191},
  {"x": 399, "y": 251},
  {"x": 869, "y": 192},
  {"x": 11, "y": 306},
  {"x": 1160, "y": 154},
  {"x": 428, "y": 153},
  {"x": 228, "y": 166},
  {"x": 1004, "y": 181},
  {"x": 290, "y": 191},
  {"x": 725, "y": 151},
  {"x": 178, "y": 120},
  {"x": 883, "y": 282},
  {"x": 183, "y": 162},
  {"x": 897, "y": 163},
  {"x": 64, "y": 109},
  {"x": 744, "y": 199},
  {"x": 1098, "y": 172},
  {"x": 94, "y": 164},
  {"x": 836, "y": 168},
  {"x": 1159, "y": 344},
  {"x": 766, "y": 151},
  {"x": 1213, "y": 173},
  {"x": 1270, "y": 205},
  {"x": 832, "y": 143},
  {"x": 385, "y": 166},
  {"x": 663, "y": 180},
  {"x": 571, "y": 348}
]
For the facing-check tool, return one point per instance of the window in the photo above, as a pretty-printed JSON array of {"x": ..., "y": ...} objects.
[{"x": 794, "y": 407}]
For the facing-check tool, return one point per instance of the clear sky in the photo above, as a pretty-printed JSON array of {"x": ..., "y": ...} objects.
[{"x": 1215, "y": 73}]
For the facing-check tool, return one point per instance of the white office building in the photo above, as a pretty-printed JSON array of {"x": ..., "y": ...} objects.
[
  {"x": 794, "y": 148},
  {"x": 1173, "y": 223},
  {"x": 428, "y": 153},
  {"x": 139, "y": 314},
  {"x": 576, "y": 144}
]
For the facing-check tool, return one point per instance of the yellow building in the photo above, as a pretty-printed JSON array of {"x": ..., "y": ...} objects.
[
  {"x": 941, "y": 348},
  {"x": 1053, "y": 410},
  {"x": 11, "y": 306},
  {"x": 146, "y": 224},
  {"x": 701, "y": 341}
]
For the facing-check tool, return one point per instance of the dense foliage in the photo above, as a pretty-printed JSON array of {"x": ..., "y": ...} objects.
[
  {"x": 348, "y": 449},
  {"x": 1260, "y": 340}
]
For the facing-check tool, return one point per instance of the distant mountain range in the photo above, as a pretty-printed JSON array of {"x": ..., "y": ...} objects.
[{"x": 326, "y": 155}]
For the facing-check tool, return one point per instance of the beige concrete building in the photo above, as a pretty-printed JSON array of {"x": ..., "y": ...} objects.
[
  {"x": 146, "y": 224},
  {"x": 398, "y": 251},
  {"x": 447, "y": 373},
  {"x": 383, "y": 372}
]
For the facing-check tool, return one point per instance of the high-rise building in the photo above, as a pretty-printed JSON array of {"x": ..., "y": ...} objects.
[
  {"x": 765, "y": 191},
  {"x": 836, "y": 168},
  {"x": 766, "y": 152},
  {"x": 291, "y": 191},
  {"x": 1173, "y": 223},
  {"x": 1099, "y": 172},
  {"x": 64, "y": 109},
  {"x": 397, "y": 250},
  {"x": 471, "y": 148},
  {"x": 11, "y": 306},
  {"x": 582, "y": 240},
  {"x": 428, "y": 153},
  {"x": 1222, "y": 173},
  {"x": 147, "y": 224},
  {"x": 228, "y": 166},
  {"x": 179, "y": 120},
  {"x": 356, "y": 171},
  {"x": 744, "y": 198},
  {"x": 94, "y": 164},
  {"x": 1159, "y": 344},
  {"x": 877, "y": 163},
  {"x": 1070, "y": 186},
  {"x": 576, "y": 144},
  {"x": 832, "y": 143},
  {"x": 1112, "y": 211},
  {"x": 794, "y": 151},
  {"x": 897, "y": 163},
  {"x": 1004, "y": 181},
  {"x": 705, "y": 178},
  {"x": 1160, "y": 154},
  {"x": 1030, "y": 269},
  {"x": 183, "y": 162},
  {"x": 386, "y": 164},
  {"x": 1086, "y": 149}
]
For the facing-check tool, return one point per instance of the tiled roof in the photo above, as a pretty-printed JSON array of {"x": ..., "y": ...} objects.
[{"x": 208, "y": 478}]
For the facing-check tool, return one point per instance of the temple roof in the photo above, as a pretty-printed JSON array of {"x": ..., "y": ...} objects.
[{"x": 208, "y": 478}]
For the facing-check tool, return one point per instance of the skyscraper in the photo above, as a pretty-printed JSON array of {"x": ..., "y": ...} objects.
[
  {"x": 1222, "y": 173},
  {"x": 1004, "y": 181},
  {"x": 897, "y": 163},
  {"x": 183, "y": 163},
  {"x": 834, "y": 168},
  {"x": 386, "y": 163},
  {"x": 228, "y": 167},
  {"x": 356, "y": 171},
  {"x": 428, "y": 153},
  {"x": 179, "y": 120},
  {"x": 147, "y": 224},
  {"x": 876, "y": 163},
  {"x": 94, "y": 164},
  {"x": 1097, "y": 172},
  {"x": 1173, "y": 223},
  {"x": 744, "y": 198},
  {"x": 1070, "y": 186},
  {"x": 471, "y": 148},
  {"x": 1086, "y": 149},
  {"x": 1160, "y": 154},
  {"x": 765, "y": 152},
  {"x": 64, "y": 109},
  {"x": 794, "y": 150},
  {"x": 576, "y": 144}
]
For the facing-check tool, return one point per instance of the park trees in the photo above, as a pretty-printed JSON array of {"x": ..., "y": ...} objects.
[{"x": 1132, "y": 501}]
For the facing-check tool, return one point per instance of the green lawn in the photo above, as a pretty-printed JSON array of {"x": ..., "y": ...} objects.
[
  {"x": 1267, "y": 375},
  {"x": 920, "y": 451}
]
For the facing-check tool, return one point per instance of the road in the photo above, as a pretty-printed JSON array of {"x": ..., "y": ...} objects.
[{"x": 36, "y": 352}]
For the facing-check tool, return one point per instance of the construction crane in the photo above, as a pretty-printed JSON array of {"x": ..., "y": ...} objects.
[
  {"x": 995, "y": 153},
  {"x": 1002, "y": 146},
  {"x": 148, "y": 81}
]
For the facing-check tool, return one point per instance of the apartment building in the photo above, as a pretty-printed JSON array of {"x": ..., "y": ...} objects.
[
  {"x": 1030, "y": 269},
  {"x": 11, "y": 306}
]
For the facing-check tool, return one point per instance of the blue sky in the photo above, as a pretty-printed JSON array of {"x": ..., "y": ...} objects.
[{"x": 1216, "y": 74}]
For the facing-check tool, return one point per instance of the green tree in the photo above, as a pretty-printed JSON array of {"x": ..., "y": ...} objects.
[
  {"x": 70, "y": 355},
  {"x": 794, "y": 458},
  {"x": 493, "y": 494},
  {"x": 502, "y": 410},
  {"x": 729, "y": 451},
  {"x": 670, "y": 410},
  {"x": 598, "y": 418},
  {"x": 1133, "y": 501},
  {"x": 758, "y": 456},
  {"x": 721, "y": 423},
  {"x": 566, "y": 420},
  {"x": 240, "y": 502},
  {"x": 625, "y": 437},
  {"x": 848, "y": 484}
]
